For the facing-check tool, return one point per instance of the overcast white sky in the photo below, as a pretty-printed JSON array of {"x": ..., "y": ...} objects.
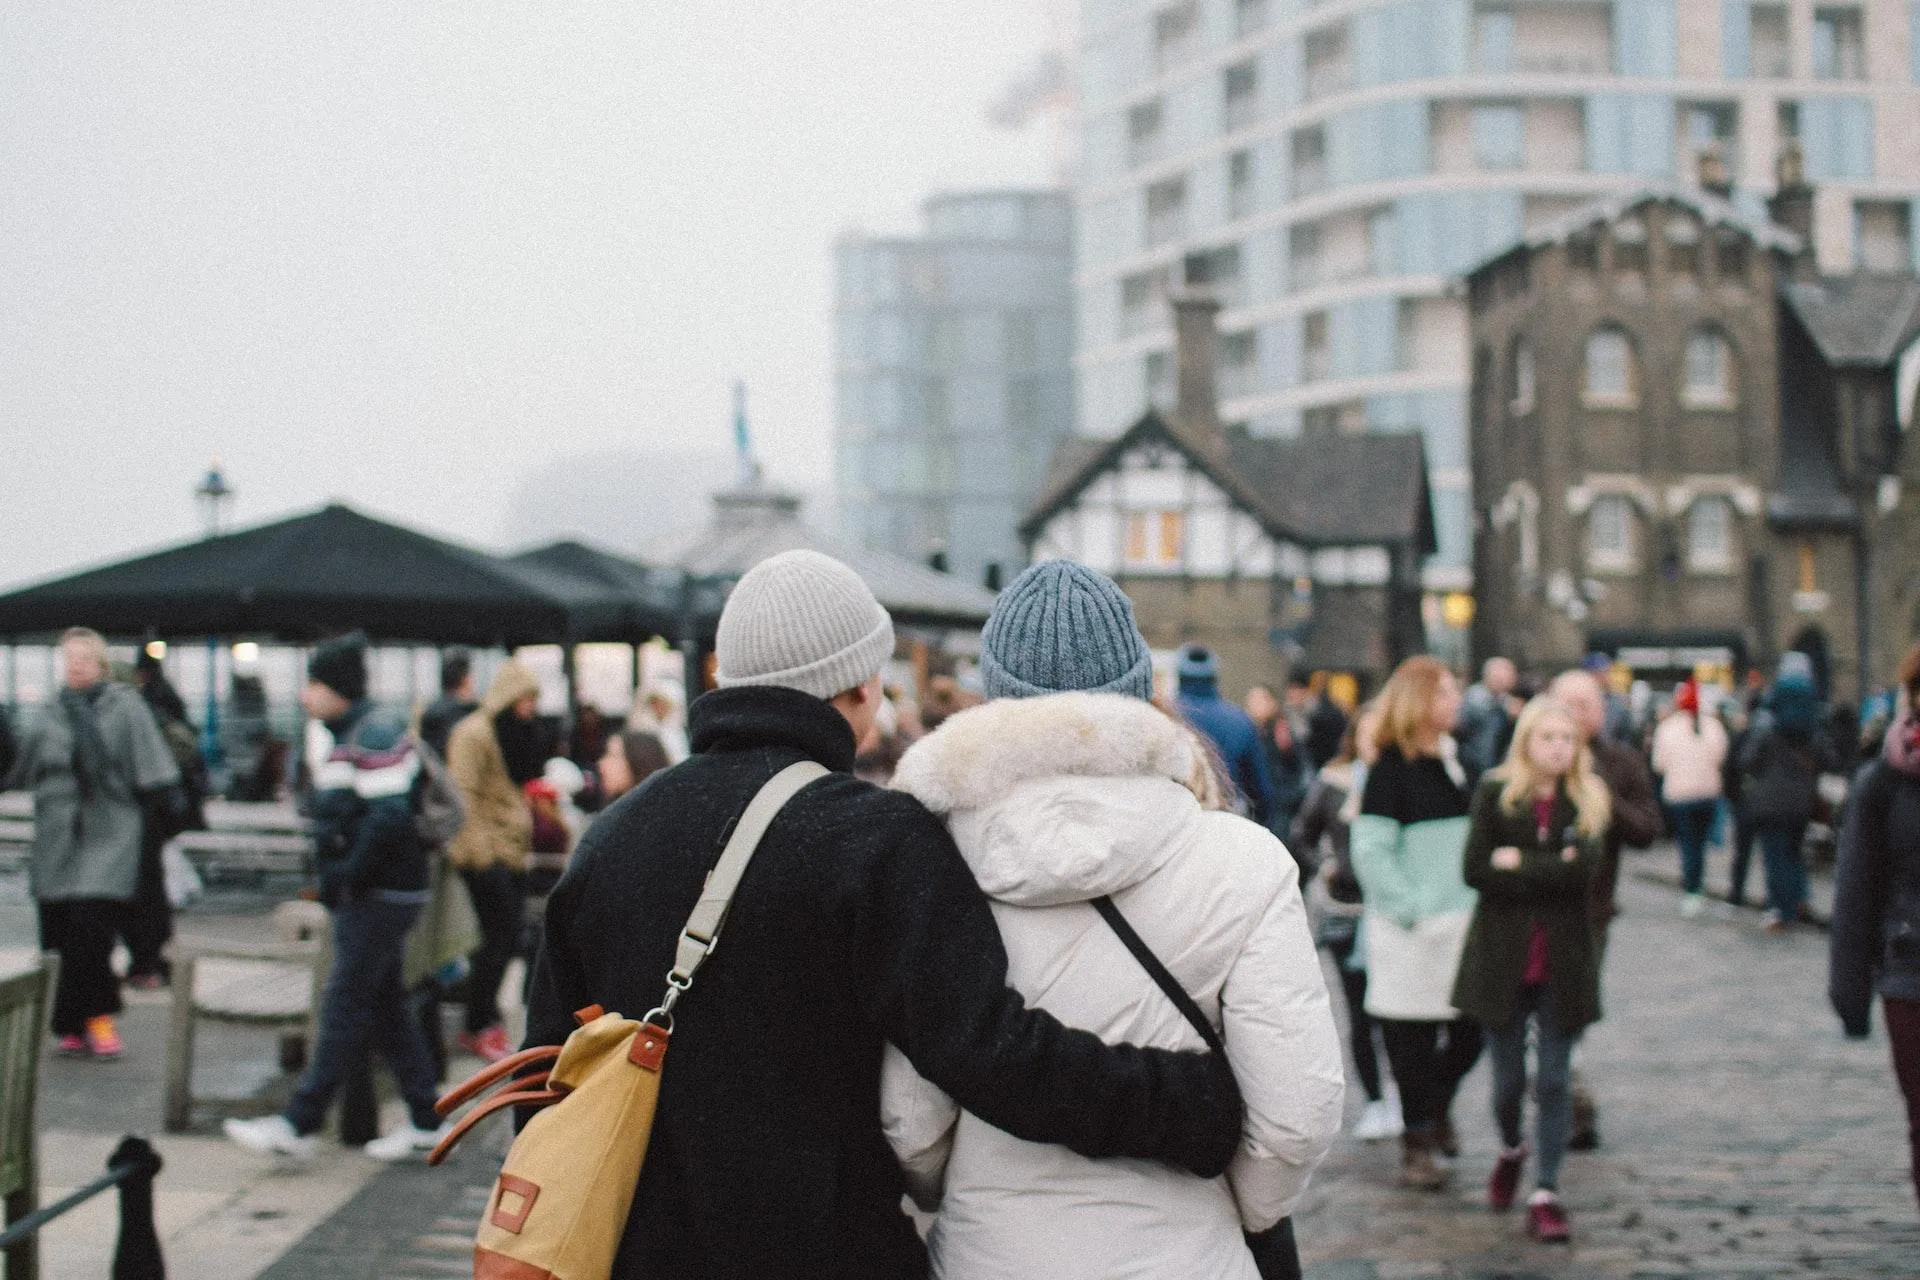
[{"x": 404, "y": 253}]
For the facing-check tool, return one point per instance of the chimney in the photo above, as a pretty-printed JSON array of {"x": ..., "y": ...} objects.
[
  {"x": 1791, "y": 205},
  {"x": 1714, "y": 176},
  {"x": 1196, "y": 408}
]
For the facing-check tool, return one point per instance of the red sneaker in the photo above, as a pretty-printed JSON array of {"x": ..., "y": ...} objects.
[
  {"x": 488, "y": 1046},
  {"x": 1547, "y": 1219},
  {"x": 1505, "y": 1182},
  {"x": 74, "y": 1047},
  {"x": 103, "y": 1038}
]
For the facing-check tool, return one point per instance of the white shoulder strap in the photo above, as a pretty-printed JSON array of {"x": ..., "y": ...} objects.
[{"x": 702, "y": 933}]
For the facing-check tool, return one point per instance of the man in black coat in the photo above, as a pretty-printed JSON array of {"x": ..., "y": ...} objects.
[{"x": 857, "y": 923}]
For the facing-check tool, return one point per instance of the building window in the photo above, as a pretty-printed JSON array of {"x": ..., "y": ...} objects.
[
  {"x": 1583, "y": 251},
  {"x": 1318, "y": 362},
  {"x": 1383, "y": 241},
  {"x": 1166, "y": 210},
  {"x": 1710, "y": 380},
  {"x": 1493, "y": 40},
  {"x": 1303, "y": 255},
  {"x": 1327, "y": 66},
  {"x": 1217, "y": 270},
  {"x": 1173, "y": 30},
  {"x": 1730, "y": 257},
  {"x": 1240, "y": 184},
  {"x": 1499, "y": 137},
  {"x": 1768, "y": 53},
  {"x": 1159, "y": 374},
  {"x": 1241, "y": 91},
  {"x": 1309, "y": 154},
  {"x": 1610, "y": 534},
  {"x": 1806, "y": 578},
  {"x": 1239, "y": 364},
  {"x": 1710, "y": 536},
  {"x": 1839, "y": 46},
  {"x": 1140, "y": 296},
  {"x": 1883, "y": 236},
  {"x": 1155, "y": 539},
  {"x": 1143, "y": 131},
  {"x": 1607, "y": 376},
  {"x": 1630, "y": 247},
  {"x": 1249, "y": 16},
  {"x": 1710, "y": 128},
  {"x": 1520, "y": 393},
  {"x": 1683, "y": 246}
]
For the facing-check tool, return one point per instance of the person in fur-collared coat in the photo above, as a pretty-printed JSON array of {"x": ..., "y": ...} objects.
[{"x": 1056, "y": 799}]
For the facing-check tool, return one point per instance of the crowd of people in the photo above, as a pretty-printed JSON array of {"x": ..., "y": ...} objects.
[{"x": 1068, "y": 839}]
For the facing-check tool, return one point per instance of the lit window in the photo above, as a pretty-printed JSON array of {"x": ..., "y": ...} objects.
[
  {"x": 1155, "y": 539},
  {"x": 1709, "y": 372},
  {"x": 1521, "y": 400},
  {"x": 1607, "y": 378},
  {"x": 1710, "y": 536},
  {"x": 1610, "y": 534}
]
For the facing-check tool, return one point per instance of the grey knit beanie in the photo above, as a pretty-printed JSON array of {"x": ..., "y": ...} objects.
[
  {"x": 1063, "y": 627},
  {"x": 802, "y": 621}
]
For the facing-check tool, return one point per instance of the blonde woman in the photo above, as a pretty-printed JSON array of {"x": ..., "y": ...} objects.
[
  {"x": 1537, "y": 829},
  {"x": 1405, "y": 846}
]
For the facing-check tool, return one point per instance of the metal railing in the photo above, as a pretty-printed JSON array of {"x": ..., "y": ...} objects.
[{"x": 136, "y": 1256}]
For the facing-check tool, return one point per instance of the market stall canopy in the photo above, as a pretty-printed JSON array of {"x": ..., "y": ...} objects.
[
  {"x": 320, "y": 574},
  {"x": 754, "y": 522},
  {"x": 649, "y": 596}
]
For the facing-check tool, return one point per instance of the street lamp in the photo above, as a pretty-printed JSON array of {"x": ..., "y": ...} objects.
[{"x": 213, "y": 494}]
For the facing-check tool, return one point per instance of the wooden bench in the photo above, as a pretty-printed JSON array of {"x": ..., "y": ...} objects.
[
  {"x": 272, "y": 985},
  {"x": 25, "y": 1002}
]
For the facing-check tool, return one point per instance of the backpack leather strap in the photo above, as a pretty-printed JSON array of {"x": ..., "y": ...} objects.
[{"x": 702, "y": 933}]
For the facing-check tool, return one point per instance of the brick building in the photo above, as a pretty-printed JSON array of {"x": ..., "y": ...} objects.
[
  {"x": 1301, "y": 552},
  {"x": 1688, "y": 445}
]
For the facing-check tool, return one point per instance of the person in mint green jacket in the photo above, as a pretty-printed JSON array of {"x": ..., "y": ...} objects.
[{"x": 1406, "y": 848}]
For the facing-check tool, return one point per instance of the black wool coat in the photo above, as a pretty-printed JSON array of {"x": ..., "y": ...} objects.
[
  {"x": 857, "y": 923},
  {"x": 1548, "y": 890},
  {"x": 1874, "y": 944}
]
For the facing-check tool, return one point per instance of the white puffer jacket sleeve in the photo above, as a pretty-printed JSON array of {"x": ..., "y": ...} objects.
[
  {"x": 1286, "y": 1057},
  {"x": 918, "y": 1119}
]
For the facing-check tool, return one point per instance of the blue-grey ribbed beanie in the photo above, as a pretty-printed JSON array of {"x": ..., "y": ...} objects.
[{"x": 1062, "y": 627}]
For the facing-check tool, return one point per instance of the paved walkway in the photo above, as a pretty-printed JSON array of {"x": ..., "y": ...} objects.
[{"x": 1742, "y": 1134}]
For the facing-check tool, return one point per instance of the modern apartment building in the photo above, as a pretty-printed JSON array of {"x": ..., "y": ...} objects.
[
  {"x": 953, "y": 359},
  {"x": 1331, "y": 169}
]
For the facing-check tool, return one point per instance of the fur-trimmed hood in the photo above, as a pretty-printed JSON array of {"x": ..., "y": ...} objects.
[{"x": 1061, "y": 798}]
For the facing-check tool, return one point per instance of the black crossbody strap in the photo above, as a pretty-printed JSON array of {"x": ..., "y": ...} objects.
[{"x": 1158, "y": 972}]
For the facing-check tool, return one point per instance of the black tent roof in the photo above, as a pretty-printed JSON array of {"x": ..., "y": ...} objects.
[
  {"x": 649, "y": 597},
  {"x": 320, "y": 574}
]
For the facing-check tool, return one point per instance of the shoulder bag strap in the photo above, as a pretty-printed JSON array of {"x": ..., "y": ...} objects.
[
  {"x": 1158, "y": 972},
  {"x": 702, "y": 933}
]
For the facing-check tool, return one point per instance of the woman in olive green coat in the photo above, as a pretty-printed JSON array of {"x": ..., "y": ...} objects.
[{"x": 1532, "y": 846}]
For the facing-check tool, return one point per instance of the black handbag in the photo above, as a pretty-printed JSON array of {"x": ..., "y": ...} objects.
[{"x": 1275, "y": 1253}]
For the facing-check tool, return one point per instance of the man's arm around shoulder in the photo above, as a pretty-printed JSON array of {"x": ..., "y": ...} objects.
[{"x": 939, "y": 990}]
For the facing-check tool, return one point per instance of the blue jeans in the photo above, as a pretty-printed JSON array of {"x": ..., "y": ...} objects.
[
  {"x": 1691, "y": 821},
  {"x": 366, "y": 1004},
  {"x": 1786, "y": 871},
  {"x": 1552, "y": 1086}
]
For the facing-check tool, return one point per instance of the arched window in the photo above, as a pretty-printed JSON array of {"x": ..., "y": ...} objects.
[
  {"x": 1710, "y": 536},
  {"x": 1610, "y": 534},
  {"x": 1520, "y": 393},
  {"x": 1608, "y": 378},
  {"x": 1710, "y": 381}
]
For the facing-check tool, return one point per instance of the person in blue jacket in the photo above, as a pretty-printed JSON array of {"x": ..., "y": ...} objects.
[{"x": 1226, "y": 726}]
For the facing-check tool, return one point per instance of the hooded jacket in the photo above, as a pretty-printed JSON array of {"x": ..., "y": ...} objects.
[
  {"x": 856, "y": 924},
  {"x": 1054, "y": 801},
  {"x": 499, "y": 826}
]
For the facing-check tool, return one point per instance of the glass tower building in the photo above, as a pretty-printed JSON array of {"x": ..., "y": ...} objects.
[
  {"x": 1329, "y": 169},
  {"x": 953, "y": 360}
]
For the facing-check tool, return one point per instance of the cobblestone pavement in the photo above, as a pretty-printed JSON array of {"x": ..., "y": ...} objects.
[{"x": 1742, "y": 1135}]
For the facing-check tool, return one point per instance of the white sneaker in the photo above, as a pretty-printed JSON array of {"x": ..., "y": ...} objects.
[
  {"x": 1691, "y": 906},
  {"x": 406, "y": 1143},
  {"x": 1378, "y": 1122},
  {"x": 270, "y": 1135}
]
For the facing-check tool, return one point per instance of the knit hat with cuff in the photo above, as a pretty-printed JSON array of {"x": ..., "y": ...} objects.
[
  {"x": 1061, "y": 627},
  {"x": 802, "y": 620}
]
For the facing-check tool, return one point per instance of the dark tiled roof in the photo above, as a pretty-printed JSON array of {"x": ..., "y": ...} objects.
[
  {"x": 1857, "y": 320},
  {"x": 1337, "y": 490}
]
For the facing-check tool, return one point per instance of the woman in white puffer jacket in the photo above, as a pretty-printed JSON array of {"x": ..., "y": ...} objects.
[{"x": 1056, "y": 799}]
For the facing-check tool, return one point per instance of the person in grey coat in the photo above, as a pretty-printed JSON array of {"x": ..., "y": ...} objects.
[{"x": 98, "y": 768}]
